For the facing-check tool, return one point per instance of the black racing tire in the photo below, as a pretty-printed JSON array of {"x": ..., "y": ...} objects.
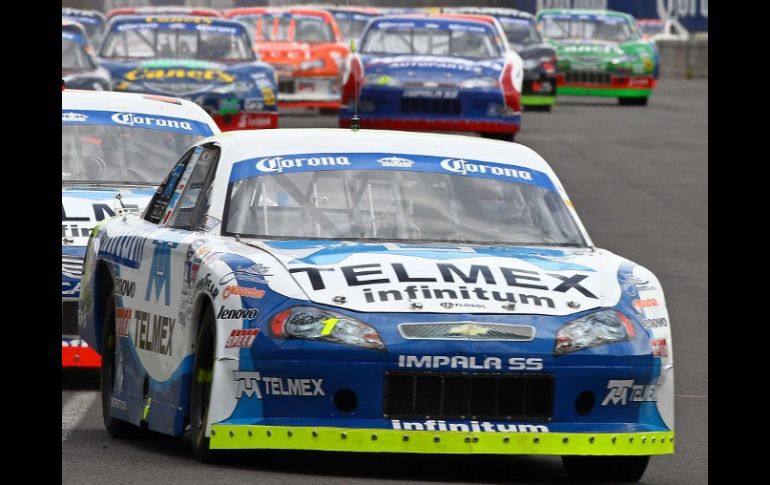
[
  {"x": 200, "y": 392},
  {"x": 606, "y": 468},
  {"x": 116, "y": 428},
  {"x": 498, "y": 136},
  {"x": 545, "y": 108},
  {"x": 632, "y": 101}
]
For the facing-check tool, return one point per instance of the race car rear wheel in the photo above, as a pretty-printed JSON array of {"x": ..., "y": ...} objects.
[
  {"x": 200, "y": 393},
  {"x": 538, "y": 107},
  {"x": 116, "y": 428},
  {"x": 606, "y": 468},
  {"x": 632, "y": 101}
]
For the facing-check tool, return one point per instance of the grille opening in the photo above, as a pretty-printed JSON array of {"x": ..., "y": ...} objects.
[
  {"x": 588, "y": 77},
  {"x": 286, "y": 86},
  {"x": 463, "y": 396},
  {"x": 69, "y": 318},
  {"x": 431, "y": 106}
]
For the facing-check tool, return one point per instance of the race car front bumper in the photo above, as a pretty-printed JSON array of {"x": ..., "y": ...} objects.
[
  {"x": 438, "y": 124},
  {"x": 309, "y": 92},
  {"x": 76, "y": 353},
  {"x": 241, "y": 436},
  {"x": 540, "y": 91},
  {"x": 604, "y": 85}
]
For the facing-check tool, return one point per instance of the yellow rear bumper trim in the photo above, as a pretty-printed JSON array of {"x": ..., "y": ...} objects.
[{"x": 230, "y": 436}]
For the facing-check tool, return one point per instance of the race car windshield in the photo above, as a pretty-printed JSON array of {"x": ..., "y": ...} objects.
[
  {"x": 520, "y": 33},
  {"x": 609, "y": 28},
  {"x": 74, "y": 56},
  {"x": 288, "y": 28},
  {"x": 398, "y": 206},
  {"x": 107, "y": 153},
  {"x": 204, "y": 42},
  {"x": 351, "y": 28},
  {"x": 398, "y": 40}
]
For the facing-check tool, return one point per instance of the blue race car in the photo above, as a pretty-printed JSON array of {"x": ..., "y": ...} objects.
[
  {"x": 115, "y": 150},
  {"x": 438, "y": 72},
  {"x": 377, "y": 292},
  {"x": 539, "y": 89},
  {"x": 204, "y": 59},
  {"x": 92, "y": 20},
  {"x": 79, "y": 68}
]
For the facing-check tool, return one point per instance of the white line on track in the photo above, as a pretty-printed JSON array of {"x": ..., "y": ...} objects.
[{"x": 75, "y": 410}]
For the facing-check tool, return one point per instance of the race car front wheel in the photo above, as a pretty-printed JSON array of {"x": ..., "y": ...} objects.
[
  {"x": 200, "y": 392},
  {"x": 115, "y": 427},
  {"x": 606, "y": 468},
  {"x": 632, "y": 101}
]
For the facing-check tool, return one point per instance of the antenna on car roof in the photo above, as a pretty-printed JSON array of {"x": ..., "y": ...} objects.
[{"x": 355, "y": 121}]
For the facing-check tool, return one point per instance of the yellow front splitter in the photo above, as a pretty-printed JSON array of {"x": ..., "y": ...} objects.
[{"x": 239, "y": 437}]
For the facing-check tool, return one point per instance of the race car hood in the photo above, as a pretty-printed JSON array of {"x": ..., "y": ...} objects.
[
  {"x": 180, "y": 77},
  {"x": 588, "y": 52},
  {"x": 386, "y": 277},
  {"x": 83, "y": 206},
  {"x": 636, "y": 56},
  {"x": 431, "y": 68}
]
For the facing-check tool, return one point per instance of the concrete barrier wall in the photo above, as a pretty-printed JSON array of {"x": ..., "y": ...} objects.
[{"x": 684, "y": 59}]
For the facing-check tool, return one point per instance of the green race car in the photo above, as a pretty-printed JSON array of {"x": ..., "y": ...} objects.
[{"x": 600, "y": 53}]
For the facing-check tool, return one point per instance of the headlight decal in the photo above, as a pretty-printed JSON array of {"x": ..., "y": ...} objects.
[{"x": 311, "y": 323}]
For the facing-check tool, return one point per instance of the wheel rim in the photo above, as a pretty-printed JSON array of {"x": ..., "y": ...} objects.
[{"x": 203, "y": 378}]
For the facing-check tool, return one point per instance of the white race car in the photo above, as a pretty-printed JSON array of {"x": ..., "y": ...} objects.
[
  {"x": 378, "y": 292},
  {"x": 116, "y": 148}
]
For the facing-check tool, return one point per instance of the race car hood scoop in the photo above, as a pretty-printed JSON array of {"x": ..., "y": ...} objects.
[
  {"x": 388, "y": 277},
  {"x": 85, "y": 205}
]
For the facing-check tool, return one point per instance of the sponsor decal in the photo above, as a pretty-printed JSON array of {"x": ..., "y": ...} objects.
[
  {"x": 117, "y": 403},
  {"x": 130, "y": 119},
  {"x": 467, "y": 426},
  {"x": 255, "y": 274},
  {"x": 655, "y": 322},
  {"x": 395, "y": 161},
  {"x": 160, "y": 271},
  {"x": 68, "y": 288},
  {"x": 249, "y": 120},
  {"x": 74, "y": 230},
  {"x": 148, "y": 74},
  {"x": 154, "y": 333},
  {"x": 241, "y": 338},
  {"x": 659, "y": 347},
  {"x": 174, "y": 20},
  {"x": 465, "y": 362},
  {"x": 268, "y": 95},
  {"x": 122, "y": 321},
  {"x": 243, "y": 292},
  {"x": 449, "y": 304},
  {"x": 124, "y": 287},
  {"x": 632, "y": 284},
  {"x": 208, "y": 285},
  {"x": 254, "y": 384},
  {"x": 74, "y": 117},
  {"x": 623, "y": 391},
  {"x": 431, "y": 93},
  {"x": 640, "y": 305},
  {"x": 237, "y": 314},
  {"x": 374, "y": 274},
  {"x": 253, "y": 104},
  {"x": 279, "y": 164},
  {"x": 125, "y": 248},
  {"x": 457, "y": 165}
]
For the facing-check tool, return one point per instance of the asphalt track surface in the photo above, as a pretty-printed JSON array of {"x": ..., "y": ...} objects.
[{"x": 638, "y": 178}]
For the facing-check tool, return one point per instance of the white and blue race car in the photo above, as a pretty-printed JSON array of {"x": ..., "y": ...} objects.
[
  {"x": 116, "y": 149},
  {"x": 439, "y": 72},
  {"x": 381, "y": 292}
]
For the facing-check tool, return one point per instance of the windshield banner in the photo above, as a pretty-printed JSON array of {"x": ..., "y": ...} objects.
[
  {"x": 458, "y": 25},
  {"x": 135, "y": 120},
  {"x": 313, "y": 162}
]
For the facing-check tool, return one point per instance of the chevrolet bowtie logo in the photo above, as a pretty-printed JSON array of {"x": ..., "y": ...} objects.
[{"x": 469, "y": 330}]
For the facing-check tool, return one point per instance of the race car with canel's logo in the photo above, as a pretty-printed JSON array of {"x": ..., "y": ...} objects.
[
  {"x": 206, "y": 60},
  {"x": 600, "y": 53},
  {"x": 92, "y": 20},
  {"x": 305, "y": 47},
  {"x": 539, "y": 86},
  {"x": 116, "y": 149},
  {"x": 439, "y": 72},
  {"x": 377, "y": 291},
  {"x": 79, "y": 68}
]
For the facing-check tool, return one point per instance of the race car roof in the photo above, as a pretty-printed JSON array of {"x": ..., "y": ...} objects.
[
  {"x": 245, "y": 145},
  {"x": 173, "y": 19},
  {"x": 135, "y": 103}
]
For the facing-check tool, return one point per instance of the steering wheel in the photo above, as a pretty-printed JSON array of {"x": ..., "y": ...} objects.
[{"x": 95, "y": 168}]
